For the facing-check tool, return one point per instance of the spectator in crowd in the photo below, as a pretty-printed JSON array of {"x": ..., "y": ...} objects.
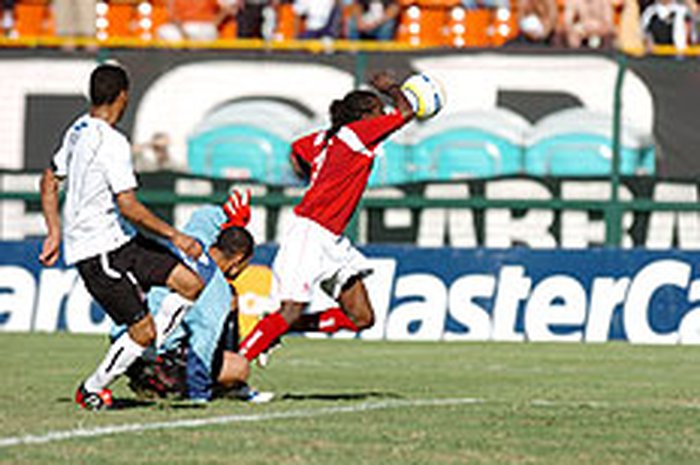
[
  {"x": 8, "y": 18},
  {"x": 666, "y": 22},
  {"x": 629, "y": 32},
  {"x": 196, "y": 19},
  {"x": 316, "y": 19},
  {"x": 251, "y": 17},
  {"x": 537, "y": 20},
  {"x": 373, "y": 19},
  {"x": 588, "y": 22},
  {"x": 74, "y": 18},
  {"x": 474, "y": 4},
  {"x": 154, "y": 155}
]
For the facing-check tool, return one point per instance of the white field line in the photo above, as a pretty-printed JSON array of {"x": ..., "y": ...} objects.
[{"x": 55, "y": 436}]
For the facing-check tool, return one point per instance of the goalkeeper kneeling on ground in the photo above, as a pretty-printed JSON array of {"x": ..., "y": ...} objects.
[{"x": 199, "y": 361}]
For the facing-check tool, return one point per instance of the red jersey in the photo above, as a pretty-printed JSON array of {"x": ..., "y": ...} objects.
[{"x": 340, "y": 168}]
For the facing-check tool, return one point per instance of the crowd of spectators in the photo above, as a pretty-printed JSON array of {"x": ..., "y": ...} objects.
[
  {"x": 313, "y": 19},
  {"x": 561, "y": 23},
  {"x": 592, "y": 23}
]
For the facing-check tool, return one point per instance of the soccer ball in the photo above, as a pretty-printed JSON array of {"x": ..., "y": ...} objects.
[{"x": 425, "y": 95}]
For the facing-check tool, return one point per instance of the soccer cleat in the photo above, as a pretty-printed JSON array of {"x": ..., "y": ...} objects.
[
  {"x": 247, "y": 394},
  {"x": 93, "y": 400}
]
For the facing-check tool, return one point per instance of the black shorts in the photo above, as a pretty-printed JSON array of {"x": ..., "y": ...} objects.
[{"x": 118, "y": 280}]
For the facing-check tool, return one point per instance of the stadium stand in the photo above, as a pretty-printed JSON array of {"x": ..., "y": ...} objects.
[
  {"x": 421, "y": 23},
  {"x": 479, "y": 144},
  {"x": 467, "y": 145},
  {"x": 237, "y": 141},
  {"x": 577, "y": 142}
]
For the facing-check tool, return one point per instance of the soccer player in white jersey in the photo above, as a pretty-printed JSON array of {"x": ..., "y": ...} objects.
[{"x": 117, "y": 264}]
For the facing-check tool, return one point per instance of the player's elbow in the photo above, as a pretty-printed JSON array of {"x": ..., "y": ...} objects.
[
  {"x": 48, "y": 183},
  {"x": 129, "y": 206},
  {"x": 143, "y": 334}
]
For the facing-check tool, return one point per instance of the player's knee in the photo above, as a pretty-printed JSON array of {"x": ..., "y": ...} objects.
[
  {"x": 365, "y": 320},
  {"x": 144, "y": 336},
  {"x": 185, "y": 282},
  {"x": 235, "y": 369},
  {"x": 143, "y": 332},
  {"x": 291, "y": 311},
  {"x": 194, "y": 288}
]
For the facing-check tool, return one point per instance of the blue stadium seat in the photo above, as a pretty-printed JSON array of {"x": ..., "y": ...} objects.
[
  {"x": 577, "y": 155},
  {"x": 242, "y": 152},
  {"x": 465, "y": 153},
  {"x": 248, "y": 139},
  {"x": 392, "y": 165},
  {"x": 578, "y": 142}
]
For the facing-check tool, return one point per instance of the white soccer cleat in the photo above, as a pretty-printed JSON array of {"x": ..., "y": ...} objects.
[
  {"x": 247, "y": 394},
  {"x": 260, "y": 397}
]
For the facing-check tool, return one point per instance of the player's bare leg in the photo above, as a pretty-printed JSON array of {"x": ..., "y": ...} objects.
[
  {"x": 270, "y": 328},
  {"x": 187, "y": 286},
  {"x": 185, "y": 282},
  {"x": 328, "y": 321},
  {"x": 144, "y": 332},
  {"x": 234, "y": 370},
  {"x": 354, "y": 300},
  {"x": 93, "y": 393}
]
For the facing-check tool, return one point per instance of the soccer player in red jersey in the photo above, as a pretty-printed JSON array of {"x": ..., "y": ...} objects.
[{"x": 313, "y": 252}]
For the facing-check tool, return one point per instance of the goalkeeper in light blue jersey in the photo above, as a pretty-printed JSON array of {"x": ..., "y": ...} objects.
[{"x": 199, "y": 360}]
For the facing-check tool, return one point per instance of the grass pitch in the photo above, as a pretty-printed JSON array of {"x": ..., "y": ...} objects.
[{"x": 353, "y": 402}]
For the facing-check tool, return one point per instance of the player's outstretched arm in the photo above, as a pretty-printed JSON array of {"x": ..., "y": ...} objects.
[
  {"x": 136, "y": 212},
  {"x": 49, "y": 206},
  {"x": 385, "y": 83}
]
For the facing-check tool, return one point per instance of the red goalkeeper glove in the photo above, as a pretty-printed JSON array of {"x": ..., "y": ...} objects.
[{"x": 237, "y": 209}]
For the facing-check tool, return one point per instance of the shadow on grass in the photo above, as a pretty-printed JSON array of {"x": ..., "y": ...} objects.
[
  {"x": 332, "y": 397},
  {"x": 127, "y": 404}
]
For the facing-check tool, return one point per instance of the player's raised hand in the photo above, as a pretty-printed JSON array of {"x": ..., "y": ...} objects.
[
  {"x": 190, "y": 246},
  {"x": 237, "y": 209},
  {"x": 386, "y": 83},
  {"x": 50, "y": 250}
]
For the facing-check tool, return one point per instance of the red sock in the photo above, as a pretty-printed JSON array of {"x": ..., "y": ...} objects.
[
  {"x": 265, "y": 332},
  {"x": 333, "y": 320}
]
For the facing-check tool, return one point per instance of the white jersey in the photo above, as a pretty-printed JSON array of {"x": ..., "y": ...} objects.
[
  {"x": 95, "y": 159},
  {"x": 317, "y": 12}
]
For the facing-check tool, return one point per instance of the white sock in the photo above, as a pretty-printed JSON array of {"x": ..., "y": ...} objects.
[
  {"x": 171, "y": 312},
  {"x": 119, "y": 357}
]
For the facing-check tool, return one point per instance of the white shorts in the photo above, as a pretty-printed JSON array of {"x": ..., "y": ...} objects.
[{"x": 311, "y": 258}]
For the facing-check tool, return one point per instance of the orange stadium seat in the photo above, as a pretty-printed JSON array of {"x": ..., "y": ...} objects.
[
  {"x": 504, "y": 28},
  {"x": 477, "y": 28},
  {"x": 34, "y": 18},
  {"x": 423, "y": 23},
  {"x": 228, "y": 30},
  {"x": 159, "y": 14},
  {"x": 285, "y": 22},
  {"x": 123, "y": 18},
  {"x": 447, "y": 23}
]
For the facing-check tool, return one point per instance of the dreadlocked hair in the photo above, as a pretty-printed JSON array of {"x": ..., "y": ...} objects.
[{"x": 351, "y": 108}]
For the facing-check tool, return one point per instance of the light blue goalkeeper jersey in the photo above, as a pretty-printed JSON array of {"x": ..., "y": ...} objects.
[{"x": 202, "y": 325}]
